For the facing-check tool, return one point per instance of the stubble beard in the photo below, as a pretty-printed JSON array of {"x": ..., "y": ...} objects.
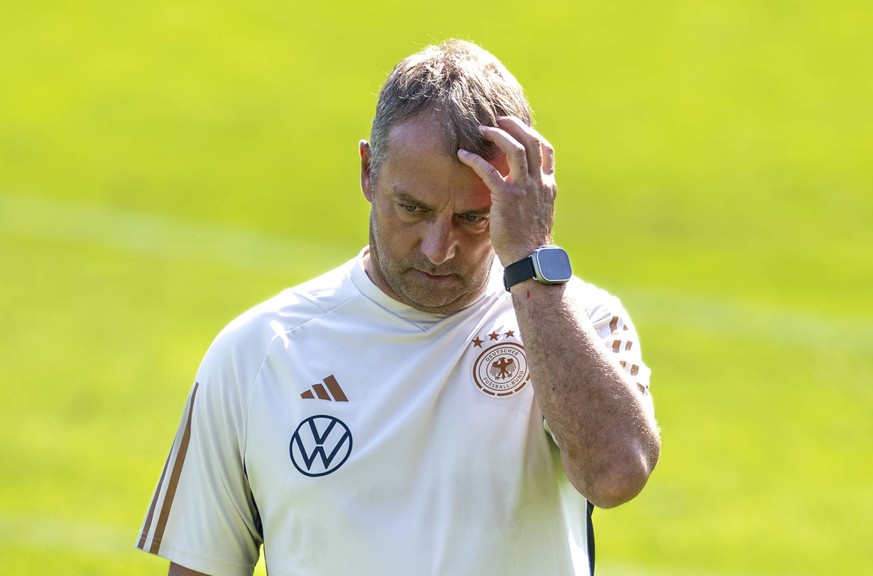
[{"x": 403, "y": 276}]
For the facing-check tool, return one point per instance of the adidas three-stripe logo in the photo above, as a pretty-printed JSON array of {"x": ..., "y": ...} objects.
[{"x": 329, "y": 387}]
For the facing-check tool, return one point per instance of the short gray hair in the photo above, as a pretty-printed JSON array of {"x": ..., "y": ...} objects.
[{"x": 462, "y": 84}]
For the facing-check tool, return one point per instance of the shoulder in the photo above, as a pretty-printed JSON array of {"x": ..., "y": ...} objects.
[
  {"x": 599, "y": 305},
  {"x": 295, "y": 306},
  {"x": 244, "y": 342},
  {"x": 607, "y": 314}
]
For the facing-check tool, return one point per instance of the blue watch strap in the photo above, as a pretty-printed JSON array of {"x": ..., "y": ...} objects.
[{"x": 518, "y": 272}]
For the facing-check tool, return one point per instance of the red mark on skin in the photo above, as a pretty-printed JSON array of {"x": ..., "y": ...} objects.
[{"x": 528, "y": 295}]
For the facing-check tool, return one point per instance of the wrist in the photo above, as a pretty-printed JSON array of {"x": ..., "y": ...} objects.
[{"x": 547, "y": 265}]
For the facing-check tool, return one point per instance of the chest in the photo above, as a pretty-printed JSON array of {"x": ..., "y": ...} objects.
[{"x": 358, "y": 413}]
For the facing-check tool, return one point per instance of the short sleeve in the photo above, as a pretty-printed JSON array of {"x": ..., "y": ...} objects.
[
  {"x": 202, "y": 514},
  {"x": 613, "y": 324}
]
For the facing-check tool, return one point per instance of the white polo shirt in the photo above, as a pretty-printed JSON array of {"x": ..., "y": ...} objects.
[{"x": 351, "y": 434}]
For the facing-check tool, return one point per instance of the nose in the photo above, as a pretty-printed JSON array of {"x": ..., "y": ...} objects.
[{"x": 438, "y": 242}]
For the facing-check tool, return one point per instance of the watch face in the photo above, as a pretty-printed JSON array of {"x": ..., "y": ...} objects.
[{"x": 552, "y": 265}]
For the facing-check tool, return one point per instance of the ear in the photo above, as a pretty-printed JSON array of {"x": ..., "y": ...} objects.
[{"x": 366, "y": 185}]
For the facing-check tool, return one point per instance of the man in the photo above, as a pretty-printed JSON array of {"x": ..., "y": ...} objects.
[{"x": 419, "y": 410}]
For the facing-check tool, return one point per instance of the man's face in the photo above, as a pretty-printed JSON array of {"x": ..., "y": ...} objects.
[{"x": 430, "y": 246}]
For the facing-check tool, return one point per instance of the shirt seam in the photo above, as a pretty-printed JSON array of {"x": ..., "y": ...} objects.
[{"x": 251, "y": 385}]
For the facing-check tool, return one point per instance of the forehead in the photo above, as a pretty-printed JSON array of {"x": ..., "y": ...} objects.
[
  {"x": 420, "y": 134},
  {"x": 419, "y": 163}
]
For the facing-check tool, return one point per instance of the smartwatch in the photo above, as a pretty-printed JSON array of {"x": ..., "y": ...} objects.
[{"x": 547, "y": 265}]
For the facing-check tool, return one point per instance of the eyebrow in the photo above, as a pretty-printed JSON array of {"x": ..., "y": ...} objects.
[
  {"x": 406, "y": 198},
  {"x": 401, "y": 196}
]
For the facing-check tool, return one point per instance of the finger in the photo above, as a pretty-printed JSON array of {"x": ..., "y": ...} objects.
[
  {"x": 486, "y": 172},
  {"x": 540, "y": 153},
  {"x": 515, "y": 152},
  {"x": 533, "y": 150},
  {"x": 548, "y": 155}
]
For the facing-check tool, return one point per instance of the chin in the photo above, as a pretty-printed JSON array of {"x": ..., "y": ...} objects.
[{"x": 446, "y": 304}]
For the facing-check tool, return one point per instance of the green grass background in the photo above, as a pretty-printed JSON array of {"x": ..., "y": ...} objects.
[{"x": 165, "y": 165}]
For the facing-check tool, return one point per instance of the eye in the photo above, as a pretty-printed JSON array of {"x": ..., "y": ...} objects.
[
  {"x": 472, "y": 218},
  {"x": 408, "y": 208}
]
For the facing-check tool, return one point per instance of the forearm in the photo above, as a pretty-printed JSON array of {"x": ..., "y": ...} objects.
[{"x": 607, "y": 436}]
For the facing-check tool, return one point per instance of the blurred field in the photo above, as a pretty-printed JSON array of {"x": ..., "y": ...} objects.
[{"x": 164, "y": 166}]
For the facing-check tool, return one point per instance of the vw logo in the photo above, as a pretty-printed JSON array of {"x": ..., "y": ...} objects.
[{"x": 320, "y": 445}]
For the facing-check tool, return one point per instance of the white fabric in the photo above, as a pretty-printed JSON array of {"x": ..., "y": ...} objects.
[{"x": 439, "y": 475}]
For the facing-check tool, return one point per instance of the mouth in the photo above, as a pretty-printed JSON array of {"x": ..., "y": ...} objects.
[{"x": 440, "y": 277}]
